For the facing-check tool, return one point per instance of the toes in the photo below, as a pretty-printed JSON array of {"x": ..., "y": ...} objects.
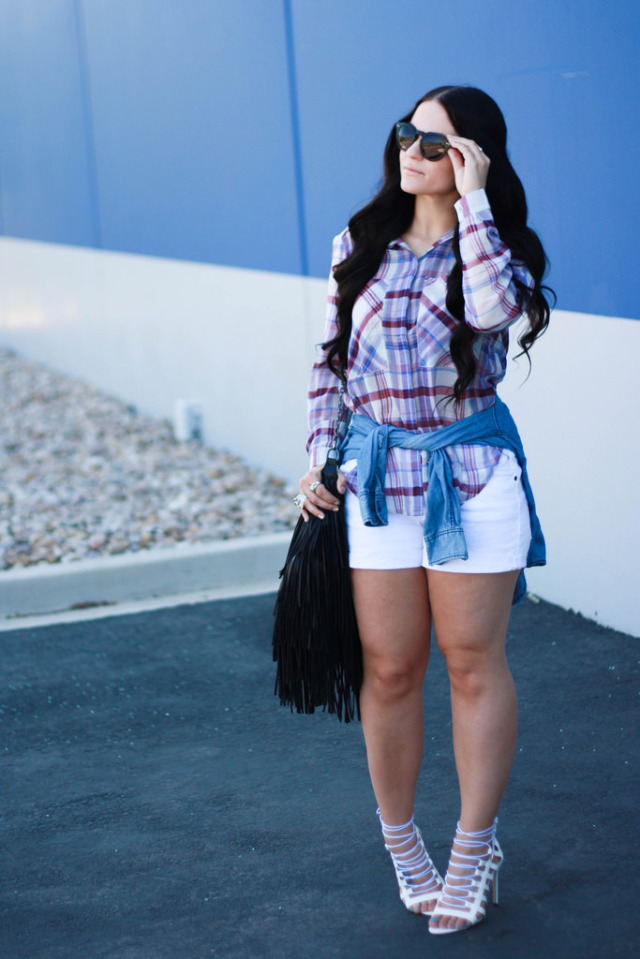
[
  {"x": 449, "y": 922},
  {"x": 423, "y": 908}
]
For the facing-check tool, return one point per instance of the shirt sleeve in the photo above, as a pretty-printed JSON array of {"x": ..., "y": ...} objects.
[
  {"x": 494, "y": 284},
  {"x": 323, "y": 400}
]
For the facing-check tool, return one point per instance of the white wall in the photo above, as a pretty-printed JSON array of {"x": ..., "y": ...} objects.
[
  {"x": 151, "y": 331},
  {"x": 241, "y": 342},
  {"x": 578, "y": 417}
]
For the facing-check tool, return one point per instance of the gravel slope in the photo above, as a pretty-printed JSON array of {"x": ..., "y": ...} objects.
[{"x": 82, "y": 474}]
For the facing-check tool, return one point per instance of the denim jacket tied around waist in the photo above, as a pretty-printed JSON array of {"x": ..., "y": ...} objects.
[{"x": 368, "y": 442}]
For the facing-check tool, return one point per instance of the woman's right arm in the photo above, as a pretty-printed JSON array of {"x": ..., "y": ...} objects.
[{"x": 323, "y": 400}]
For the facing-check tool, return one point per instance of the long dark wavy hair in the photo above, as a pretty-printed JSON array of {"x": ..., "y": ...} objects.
[{"x": 389, "y": 215}]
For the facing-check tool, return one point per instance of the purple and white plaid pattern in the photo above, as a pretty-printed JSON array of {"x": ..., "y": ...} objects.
[{"x": 400, "y": 370}]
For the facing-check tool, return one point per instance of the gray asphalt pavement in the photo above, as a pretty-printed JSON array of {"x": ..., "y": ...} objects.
[{"x": 158, "y": 803}]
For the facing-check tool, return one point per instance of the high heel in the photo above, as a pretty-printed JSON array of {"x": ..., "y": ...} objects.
[
  {"x": 466, "y": 890},
  {"x": 419, "y": 881}
]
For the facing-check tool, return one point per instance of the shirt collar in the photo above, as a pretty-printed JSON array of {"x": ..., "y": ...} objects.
[{"x": 400, "y": 244}]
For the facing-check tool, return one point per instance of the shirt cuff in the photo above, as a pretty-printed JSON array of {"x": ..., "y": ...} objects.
[
  {"x": 318, "y": 456},
  {"x": 470, "y": 207}
]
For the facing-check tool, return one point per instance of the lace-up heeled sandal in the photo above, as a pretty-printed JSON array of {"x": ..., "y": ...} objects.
[
  {"x": 466, "y": 890},
  {"x": 419, "y": 881}
]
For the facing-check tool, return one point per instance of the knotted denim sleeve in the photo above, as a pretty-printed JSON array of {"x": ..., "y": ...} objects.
[{"x": 443, "y": 532}]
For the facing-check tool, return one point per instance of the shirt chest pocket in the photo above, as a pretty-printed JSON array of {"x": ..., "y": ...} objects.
[
  {"x": 434, "y": 326},
  {"x": 372, "y": 333}
]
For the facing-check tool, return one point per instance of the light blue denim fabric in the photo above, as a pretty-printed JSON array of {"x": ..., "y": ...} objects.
[{"x": 368, "y": 442}]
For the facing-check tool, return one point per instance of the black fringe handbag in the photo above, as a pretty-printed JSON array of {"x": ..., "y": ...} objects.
[{"x": 315, "y": 635}]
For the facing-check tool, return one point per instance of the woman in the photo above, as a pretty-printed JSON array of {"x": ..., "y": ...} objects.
[{"x": 425, "y": 284}]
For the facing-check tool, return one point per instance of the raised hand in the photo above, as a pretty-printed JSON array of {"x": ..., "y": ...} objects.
[{"x": 470, "y": 164}]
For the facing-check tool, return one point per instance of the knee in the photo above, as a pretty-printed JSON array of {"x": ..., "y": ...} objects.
[
  {"x": 392, "y": 681},
  {"x": 469, "y": 673}
]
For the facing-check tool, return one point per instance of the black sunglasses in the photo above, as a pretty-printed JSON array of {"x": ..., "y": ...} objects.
[{"x": 433, "y": 146}]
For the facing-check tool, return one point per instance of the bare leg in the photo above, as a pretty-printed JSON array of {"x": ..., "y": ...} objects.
[
  {"x": 392, "y": 607},
  {"x": 471, "y": 614},
  {"x": 394, "y": 623}
]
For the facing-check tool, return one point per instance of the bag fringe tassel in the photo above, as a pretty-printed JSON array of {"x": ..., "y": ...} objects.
[{"x": 316, "y": 644}]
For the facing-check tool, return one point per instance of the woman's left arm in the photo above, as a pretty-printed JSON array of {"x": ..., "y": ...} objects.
[{"x": 494, "y": 284}]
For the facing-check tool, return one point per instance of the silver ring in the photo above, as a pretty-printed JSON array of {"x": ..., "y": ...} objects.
[
  {"x": 299, "y": 500},
  {"x": 314, "y": 486},
  {"x": 481, "y": 150}
]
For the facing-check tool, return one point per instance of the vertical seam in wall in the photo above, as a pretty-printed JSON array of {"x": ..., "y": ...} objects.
[
  {"x": 85, "y": 93},
  {"x": 2, "y": 217},
  {"x": 295, "y": 130},
  {"x": 2, "y": 201}
]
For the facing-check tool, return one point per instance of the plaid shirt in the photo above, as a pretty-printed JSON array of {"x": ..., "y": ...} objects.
[{"x": 400, "y": 369}]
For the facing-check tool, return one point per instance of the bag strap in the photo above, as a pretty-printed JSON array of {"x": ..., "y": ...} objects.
[
  {"x": 330, "y": 468},
  {"x": 337, "y": 438}
]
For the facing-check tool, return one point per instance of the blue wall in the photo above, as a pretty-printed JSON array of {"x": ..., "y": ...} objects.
[{"x": 247, "y": 133}]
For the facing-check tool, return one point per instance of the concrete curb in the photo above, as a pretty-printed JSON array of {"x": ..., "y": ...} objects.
[{"x": 230, "y": 564}]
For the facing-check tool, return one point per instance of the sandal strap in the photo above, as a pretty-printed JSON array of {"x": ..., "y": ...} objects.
[
  {"x": 414, "y": 868},
  {"x": 467, "y": 896}
]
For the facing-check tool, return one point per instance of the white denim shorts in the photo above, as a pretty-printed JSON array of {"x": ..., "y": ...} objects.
[{"x": 496, "y": 528}]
